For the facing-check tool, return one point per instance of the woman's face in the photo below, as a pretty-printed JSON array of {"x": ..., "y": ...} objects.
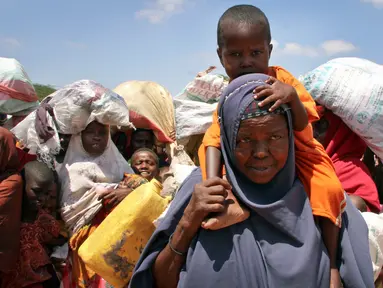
[
  {"x": 262, "y": 147},
  {"x": 95, "y": 138}
]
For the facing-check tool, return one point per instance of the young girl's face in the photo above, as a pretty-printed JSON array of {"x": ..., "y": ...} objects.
[{"x": 95, "y": 138}]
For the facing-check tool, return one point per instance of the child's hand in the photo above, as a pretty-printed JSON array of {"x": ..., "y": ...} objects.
[
  {"x": 114, "y": 196},
  {"x": 233, "y": 214},
  {"x": 277, "y": 92},
  {"x": 335, "y": 281}
]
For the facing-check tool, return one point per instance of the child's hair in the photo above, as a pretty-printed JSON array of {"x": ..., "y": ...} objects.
[
  {"x": 38, "y": 171},
  {"x": 140, "y": 130},
  {"x": 156, "y": 159},
  {"x": 247, "y": 14}
]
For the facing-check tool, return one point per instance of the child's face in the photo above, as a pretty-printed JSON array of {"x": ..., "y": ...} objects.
[
  {"x": 41, "y": 195},
  {"x": 95, "y": 138},
  {"x": 145, "y": 165},
  {"x": 245, "y": 49}
]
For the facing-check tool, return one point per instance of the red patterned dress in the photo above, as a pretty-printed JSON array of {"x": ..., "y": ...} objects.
[{"x": 33, "y": 261}]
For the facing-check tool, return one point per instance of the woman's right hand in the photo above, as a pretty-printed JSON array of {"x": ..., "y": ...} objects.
[{"x": 208, "y": 197}]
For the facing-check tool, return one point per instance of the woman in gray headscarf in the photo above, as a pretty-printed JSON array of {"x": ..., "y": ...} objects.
[{"x": 280, "y": 244}]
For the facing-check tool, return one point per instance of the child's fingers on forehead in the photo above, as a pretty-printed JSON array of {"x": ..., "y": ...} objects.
[
  {"x": 262, "y": 87},
  {"x": 269, "y": 100},
  {"x": 264, "y": 93}
]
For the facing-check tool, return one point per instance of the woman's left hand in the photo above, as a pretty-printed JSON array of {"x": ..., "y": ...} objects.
[{"x": 114, "y": 196}]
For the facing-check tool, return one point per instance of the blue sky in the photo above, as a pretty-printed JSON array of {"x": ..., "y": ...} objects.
[{"x": 169, "y": 41}]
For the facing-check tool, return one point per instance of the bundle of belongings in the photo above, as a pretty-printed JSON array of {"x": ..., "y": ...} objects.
[
  {"x": 352, "y": 89},
  {"x": 194, "y": 108},
  {"x": 68, "y": 111},
  {"x": 17, "y": 94}
]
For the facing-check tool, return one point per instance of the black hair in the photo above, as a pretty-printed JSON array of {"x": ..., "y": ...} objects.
[
  {"x": 155, "y": 156},
  {"x": 138, "y": 130},
  {"x": 38, "y": 171},
  {"x": 247, "y": 14}
]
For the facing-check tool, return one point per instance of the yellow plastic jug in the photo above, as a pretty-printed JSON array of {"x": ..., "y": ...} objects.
[{"x": 114, "y": 248}]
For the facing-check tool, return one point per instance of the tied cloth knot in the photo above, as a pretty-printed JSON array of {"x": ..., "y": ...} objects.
[{"x": 43, "y": 129}]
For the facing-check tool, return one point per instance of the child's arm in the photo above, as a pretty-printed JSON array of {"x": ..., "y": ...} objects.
[
  {"x": 330, "y": 235},
  {"x": 212, "y": 142},
  {"x": 213, "y": 162},
  {"x": 280, "y": 93},
  {"x": 300, "y": 118}
]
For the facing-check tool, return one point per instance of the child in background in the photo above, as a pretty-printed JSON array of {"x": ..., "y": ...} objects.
[
  {"x": 146, "y": 163},
  {"x": 39, "y": 230},
  {"x": 244, "y": 47}
]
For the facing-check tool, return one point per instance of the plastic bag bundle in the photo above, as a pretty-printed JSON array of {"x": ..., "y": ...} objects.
[
  {"x": 194, "y": 107},
  {"x": 17, "y": 94},
  {"x": 352, "y": 88},
  {"x": 192, "y": 117},
  {"x": 68, "y": 111},
  {"x": 205, "y": 87},
  {"x": 150, "y": 107}
]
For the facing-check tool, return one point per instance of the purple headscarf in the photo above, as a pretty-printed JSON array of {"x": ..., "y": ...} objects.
[{"x": 279, "y": 245}]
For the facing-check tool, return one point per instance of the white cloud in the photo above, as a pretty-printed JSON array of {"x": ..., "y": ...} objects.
[
  {"x": 333, "y": 47},
  {"x": 330, "y": 47},
  {"x": 298, "y": 49},
  {"x": 376, "y": 3},
  {"x": 75, "y": 45},
  {"x": 158, "y": 10},
  {"x": 10, "y": 42},
  {"x": 275, "y": 44}
]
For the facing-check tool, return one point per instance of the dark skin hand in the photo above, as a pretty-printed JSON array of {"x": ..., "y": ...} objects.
[
  {"x": 280, "y": 93},
  {"x": 208, "y": 197},
  {"x": 114, "y": 196},
  {"x": 234, "y": 213}
]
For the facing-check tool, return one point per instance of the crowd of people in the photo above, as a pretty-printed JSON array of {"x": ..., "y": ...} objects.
[{"x": 282, "y": 196}]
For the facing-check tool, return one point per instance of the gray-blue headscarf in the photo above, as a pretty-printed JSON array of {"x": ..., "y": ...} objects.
[
  {"x": 232, "y": 108},
  {"x": 279, "y": 245}
]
